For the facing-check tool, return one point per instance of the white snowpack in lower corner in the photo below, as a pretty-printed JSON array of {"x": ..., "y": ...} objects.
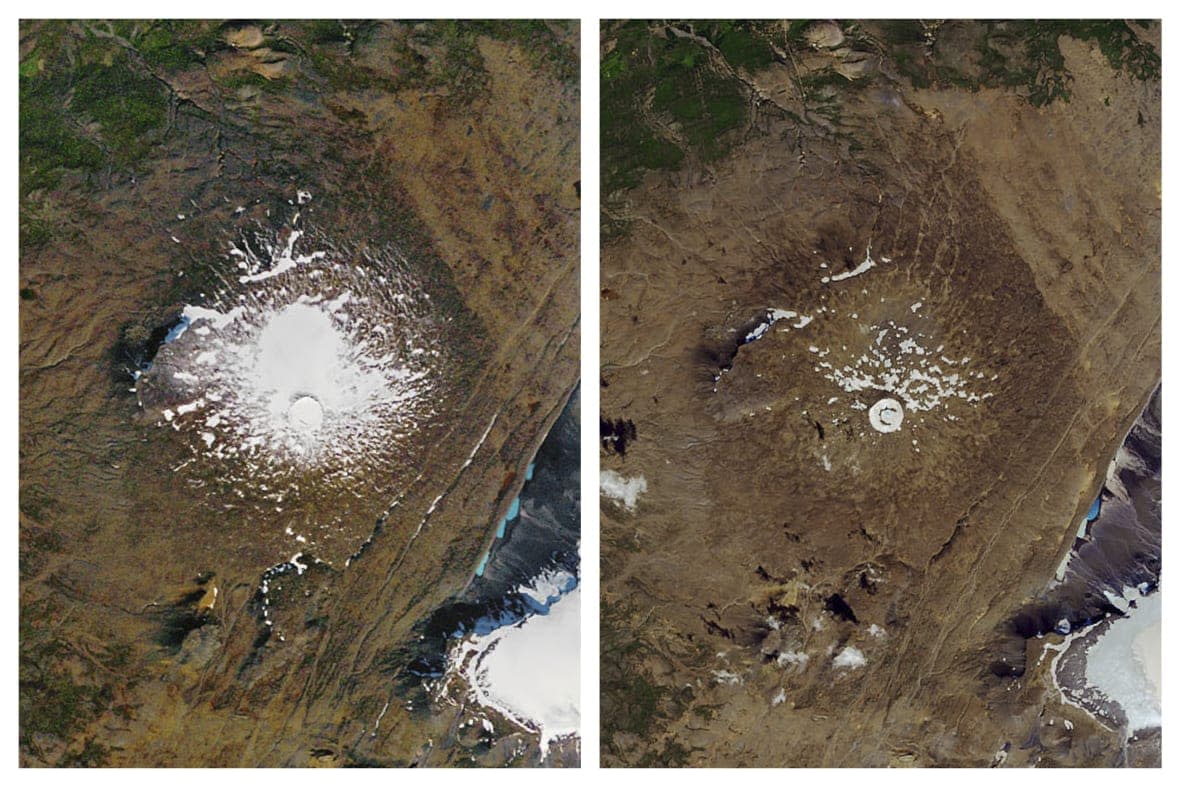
[
  {"x": 546, "y": 588},
  {"x": 1124, "y": 664},
  {"x": 530, "y": 672}
]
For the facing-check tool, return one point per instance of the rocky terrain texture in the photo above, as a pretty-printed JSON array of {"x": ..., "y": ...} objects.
[
  {"x": 146, "y": 149},
  {"x": 802, "y": 219}
]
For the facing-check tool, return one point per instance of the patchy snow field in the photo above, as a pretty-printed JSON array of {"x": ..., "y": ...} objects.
[
  {"x": 891, "y": 370},
  {"x": 849, "y": 658}
]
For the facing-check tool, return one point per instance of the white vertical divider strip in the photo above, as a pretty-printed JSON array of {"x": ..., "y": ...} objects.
[{"x": 590, "y": 365}]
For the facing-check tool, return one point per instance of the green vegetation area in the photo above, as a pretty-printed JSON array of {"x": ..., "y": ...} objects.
[
  {"x": 666, "y": 97},
  {"x": 1022, "y": 56},
  {"x": 173, "y": 45},
  {"x": 633, "y": 704},
  {"x": 95, "y": 98},
  {"x": 88, "y": 99},
  {"x": 442, "y": 54},
  {"x": 674, "y": 92},
  {"x": 93, "y": 95},
  {"x": 88, "y": 104},
  {"x": 63, "y": 687},
  {"x": 630, "y": 700}
]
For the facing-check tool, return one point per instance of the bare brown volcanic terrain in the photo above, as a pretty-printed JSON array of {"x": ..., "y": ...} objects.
[
  {"x": 883, "y": 219},
  {"x": 185, "y": 605}
]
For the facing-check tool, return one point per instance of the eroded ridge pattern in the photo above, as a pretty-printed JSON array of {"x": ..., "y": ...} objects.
[
  {"x": 891, "y": 368},
  {"x": 305, "y": 376}
]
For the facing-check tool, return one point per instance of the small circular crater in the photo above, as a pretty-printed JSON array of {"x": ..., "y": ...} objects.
[
  {"x": 306, "y": 414},
  {"x": 886, "y": 415}
]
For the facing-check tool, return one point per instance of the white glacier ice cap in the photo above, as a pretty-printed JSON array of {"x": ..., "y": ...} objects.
[
  {"x": 304, "y": 365},
  {"x": 1124, "y": 663},
  {"x": 886, "y": 415},
  {"x": 306, "y": 375},
  {"x": 313, "y": 367}
]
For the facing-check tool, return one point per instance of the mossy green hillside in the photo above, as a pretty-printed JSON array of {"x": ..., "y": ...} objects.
[
  {"x": 1023, "y": 56},
  {"x": 665, "y": 98},
  {"x": 86, "y": 103}
]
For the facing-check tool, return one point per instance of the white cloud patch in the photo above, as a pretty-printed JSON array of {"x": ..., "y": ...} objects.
[
  {"x": 622, "y": 489},
  {"x": 849, "y": 658}
]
